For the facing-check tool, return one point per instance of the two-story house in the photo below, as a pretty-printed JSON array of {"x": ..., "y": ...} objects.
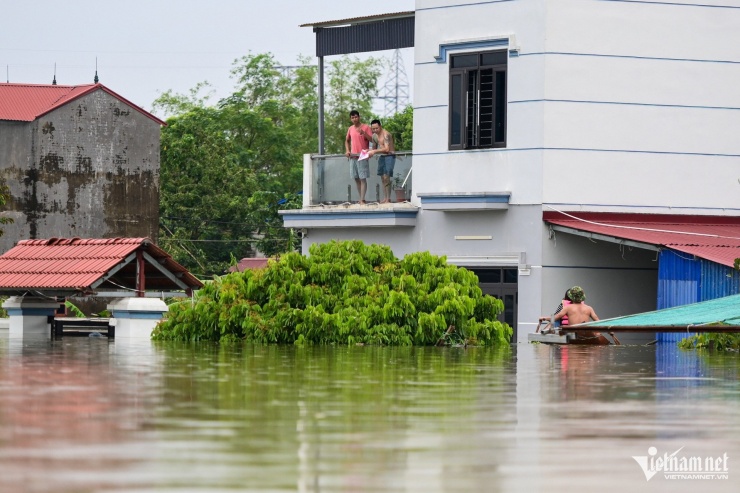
[{"x": 557, "y": 143}]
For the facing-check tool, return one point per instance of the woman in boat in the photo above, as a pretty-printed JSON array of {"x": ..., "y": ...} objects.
[{"x": 552, "y": 323}]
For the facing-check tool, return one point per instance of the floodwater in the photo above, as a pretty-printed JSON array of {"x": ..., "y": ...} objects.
[{"x": 90, "y": 415}]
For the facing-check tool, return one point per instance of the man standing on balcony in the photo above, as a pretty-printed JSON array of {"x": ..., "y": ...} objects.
[
  {"x": 387, "y": 160},
  {"x": 358, "y": 139}
]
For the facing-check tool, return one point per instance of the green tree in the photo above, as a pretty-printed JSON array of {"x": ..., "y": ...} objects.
[
  {"x": 202, "y": 216},
  {"x": 227, "y": 168},
  {"x": 272, "y": 238},
  {"x": 343, "y": 293},
  {"x": 351, "y": 86},
  {"x": 401, "y": 126}
]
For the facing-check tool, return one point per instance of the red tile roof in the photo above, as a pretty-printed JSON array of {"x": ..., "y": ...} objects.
[
  {"x": 27, "y": 102},
  {"x": 715, "y": 238},
  {"x": 249, "y": 263},
  {"x": 87, "y": 265}
]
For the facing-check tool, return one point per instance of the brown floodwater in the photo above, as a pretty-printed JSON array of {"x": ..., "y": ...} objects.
[{"x": 83, "y": 415}]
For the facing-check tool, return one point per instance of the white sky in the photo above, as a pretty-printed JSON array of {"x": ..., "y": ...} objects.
[{"x": 145, "y": 47}]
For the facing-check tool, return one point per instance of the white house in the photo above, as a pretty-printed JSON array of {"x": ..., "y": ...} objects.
[{"x": 559, "y": 143}]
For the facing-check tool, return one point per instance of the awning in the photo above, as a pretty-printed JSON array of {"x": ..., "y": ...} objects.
[
  {"x": 718, "y": 315},
  {"x": 714, "y": 238}
]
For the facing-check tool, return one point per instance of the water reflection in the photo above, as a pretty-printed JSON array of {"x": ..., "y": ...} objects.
[{"x": 95, "y": 416}]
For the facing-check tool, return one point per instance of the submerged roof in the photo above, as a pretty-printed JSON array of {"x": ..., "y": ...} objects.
[
  {"x": 725, "y": 311},
  {"x": 67, "y": 266},
  {"x": 714, "y": 238},
  {"x": 27, "y": 102}
]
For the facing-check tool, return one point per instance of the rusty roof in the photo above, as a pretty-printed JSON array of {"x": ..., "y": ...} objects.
[
  {"x": 360, "y": 20},
  {"x": 27, "y": 102},
  {"x": 714, "y": 238},
  {"x": 75, "y": 265}
]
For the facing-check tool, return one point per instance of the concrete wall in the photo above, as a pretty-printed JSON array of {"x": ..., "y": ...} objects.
[
  {"x": 88, "y": 169},
  {"x": 641, "y": 104}
]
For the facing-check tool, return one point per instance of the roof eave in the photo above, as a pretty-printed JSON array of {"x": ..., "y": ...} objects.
[{"x": 360, "y": 20}]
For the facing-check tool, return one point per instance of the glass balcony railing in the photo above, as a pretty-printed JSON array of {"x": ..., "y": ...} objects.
[{"x": 331, "y": 184}]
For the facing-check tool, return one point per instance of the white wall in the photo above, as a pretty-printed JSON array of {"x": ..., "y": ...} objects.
[
  {"x": 436, "y": 169},
  {"x": 642, "y": 106},
  {"x": 638, "y": 100}
]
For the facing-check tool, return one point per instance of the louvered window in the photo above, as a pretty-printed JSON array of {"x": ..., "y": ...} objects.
[{"x": 478, "y": 100}]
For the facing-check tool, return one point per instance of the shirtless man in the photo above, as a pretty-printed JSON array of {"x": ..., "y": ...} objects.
[
  {"x": 387, "y": 149},
  {"x": 579, "y": 312}
]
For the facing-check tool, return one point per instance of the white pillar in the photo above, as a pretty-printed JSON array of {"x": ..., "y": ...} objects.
[
  {"x": 136, "y": 317},
  {"x": 30, "y": 316}
]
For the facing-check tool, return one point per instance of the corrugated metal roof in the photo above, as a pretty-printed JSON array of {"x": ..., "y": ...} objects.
[
  {"x": 27, "y": 102},
  {"x": 360, "y": 20},
  {"x": 78, "y": 264},
  {"x": 715, "y": 238},
  {"x": 718, "y": 311}
]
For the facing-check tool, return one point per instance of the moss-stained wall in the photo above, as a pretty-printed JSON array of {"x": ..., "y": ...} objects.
[{"x": 88, "y": 169}]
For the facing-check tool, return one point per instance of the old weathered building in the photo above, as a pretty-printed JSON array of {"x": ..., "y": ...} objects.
[{"x": 79, "y": 161}]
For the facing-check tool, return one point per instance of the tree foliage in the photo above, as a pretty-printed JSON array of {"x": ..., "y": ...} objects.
[
  {"x": 351, "y": 86},
  {"x": 343, "y": 293},
  {"x": 401, "y": 126},
  {"x": 721, "y": 341},
  {"x": 227, "y": 168}
]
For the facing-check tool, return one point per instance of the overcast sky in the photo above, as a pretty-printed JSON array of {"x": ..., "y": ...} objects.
[{"x": 145, "y": 47}]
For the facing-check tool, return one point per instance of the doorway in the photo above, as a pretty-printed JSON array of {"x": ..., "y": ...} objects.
[{"x": 501, "y": 282}]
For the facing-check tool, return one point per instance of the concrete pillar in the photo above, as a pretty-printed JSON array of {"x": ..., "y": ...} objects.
[
  {"x": 30, "y": 316},
  {"x": 136, "y": 317}
]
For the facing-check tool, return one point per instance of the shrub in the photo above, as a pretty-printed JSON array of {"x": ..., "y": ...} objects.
[{"x": 342, "y": 293}]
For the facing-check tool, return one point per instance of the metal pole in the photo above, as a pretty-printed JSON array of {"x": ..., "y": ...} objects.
[
  {"x": 321, "y": 105},
  {"x": 140, "y": 274}
]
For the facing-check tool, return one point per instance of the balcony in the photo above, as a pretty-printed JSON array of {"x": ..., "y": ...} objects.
[{"x": 330, "y": 195}]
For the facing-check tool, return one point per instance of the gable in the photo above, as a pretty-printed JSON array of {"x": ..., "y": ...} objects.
[{"x": 28, "y": 102}]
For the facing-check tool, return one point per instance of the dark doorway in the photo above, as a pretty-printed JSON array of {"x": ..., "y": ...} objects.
[{"x": 501, "y": 282}]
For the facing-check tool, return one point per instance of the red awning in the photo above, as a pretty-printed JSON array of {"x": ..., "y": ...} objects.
[{"x": 714, "y": 238}]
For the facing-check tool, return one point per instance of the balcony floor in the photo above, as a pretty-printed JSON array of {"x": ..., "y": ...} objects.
[{"x": 349, "y": 215}]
